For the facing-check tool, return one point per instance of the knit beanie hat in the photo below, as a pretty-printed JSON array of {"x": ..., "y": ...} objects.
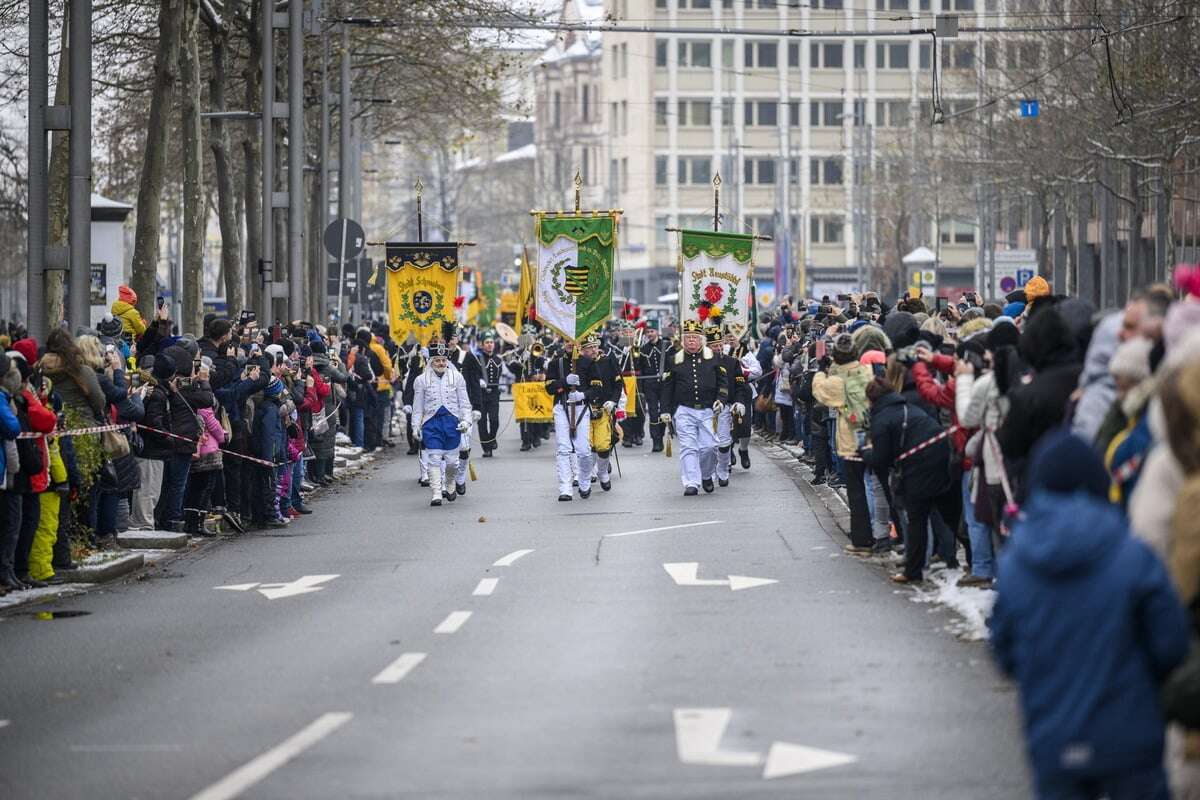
[
  {"x": 1003, "y": 334},
  {"x": 274, "y": 388},
  {"x": 1063, "y": 463},
  {"x": 16, "y": 359},
  {"x": 901, "y": 328},
  {"x": 1181, "y": 318},
  {"x": 127, "y": 294},
  {"x": 1036, "y": 287},
  {"x": 317, "y": 346},
  {"x": 974, "y": 326},
  {"x": 870, "y": 337},
  {"x": 28, "y": 348},
  {"x": 1131, "y": 360},
  {"x": 1014, "y": 309},
  {"x": 164, "y": 367},
  {"x": 873, "y": 357},
  {"x": 843, "y": 349}
]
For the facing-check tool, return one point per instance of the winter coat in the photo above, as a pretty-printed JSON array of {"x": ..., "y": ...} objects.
[
  {"x": 1087, "y": 623},
  {"x": 431, "y": 392},
  {"x": 924, "y": 474},
  {"x": 943, "y": 395},
  {"x": 224, "y": 368},
  {"x": 384, "y": 382},
  {"x": 208, "y": 452},
  {"x": 1037, "y": 407},
  {"x": 41, "y": 420},
  {"x": 830, "y": 391},
  {"x": 323, "y": 444},
  {"x": 1153, "y": 500},
  {"x": 1099, "y": 390},
  {"x": 82, "y": 397},
  {"x": 10, "y": 426},
  {"x": 978, "y": 404},
  {"x": 131, "y": 320},
  {"x": 268, "y": 440}
]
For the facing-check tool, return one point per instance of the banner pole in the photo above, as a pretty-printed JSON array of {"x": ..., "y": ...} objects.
[
  {"x": 420, "y": 220},
  {"x": 578, "y": 192},
  {"x": 716, "y": 182}
]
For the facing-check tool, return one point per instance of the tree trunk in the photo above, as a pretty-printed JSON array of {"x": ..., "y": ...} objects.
[
  {"x": 194, "y": 208},
  {"x": 232, "y": 268},
  {"x": 316, "y": 292},
  {"x": 252, "y": 178},
  {"x": 150, "y": 189},
  {"x": 58, "y": 188}
]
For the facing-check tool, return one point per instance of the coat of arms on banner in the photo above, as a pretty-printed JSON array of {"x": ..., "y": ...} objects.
[{"x": 716, "y": 271}]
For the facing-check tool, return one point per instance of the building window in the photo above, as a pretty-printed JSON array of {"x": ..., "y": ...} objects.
[
  {"x": 660, "y": 52},
  {"x": 990, "y": 51},
  {"x": 660, "y": 231},
  {"x": 583, "y": 106},
  {"x": 587, "y": 166},
  {"x": 761, "y": 112},
  {"x": 958, "y": 5},
  {"x": 892, "y": 114},
  {"x": 925, "y": 55},
  {"x": 695, "y": 113},
  {"x": 624, "y": 117},
  {"x": 891, "y": 5},
  {"x": 794, "y": 113},
  {"x": 660, "y": 113},
  {"x": 624, "y": 60},
  {"x": 794, "y": 55},
  {"x": 831, "y": 5},
  {"x": 825, "y": 171},
  {"x": 891, "y": 56},
  {"x": 759, "y": 171},
  {"x": 1023, "y": 55},
  {"x": 760, "y": 54},
  {"x": 762, "y": 225},
  {"x": 660, "y": 170},
  {"x": 825, "y": 113},
  {"x": 825, "y": 229},
  {"x": 793, "y": 170},
  {"x": 558, "y": 109},
  {"x": 614, "y": 181},
  {"x": 727, "y": 53},
  {"x": 697, "y": 55},
  {"x": 727, "y": 112},
  {"x": 625, "y": 173},
  {"x": 959, "y": 55},
  {"x": 955, "y": 232},
  {"x": 661, "y": 5},
  {"x": 860, "y": 113},
  {"x": 860, "y": 55},
  {"x": 695, "y": 169},
  {"x": 825, "y": 55}
]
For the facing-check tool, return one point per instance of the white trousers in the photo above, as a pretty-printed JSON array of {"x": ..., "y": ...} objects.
[
  {"x": 460, "y": 465},
  {"x": 438, "y": 465},
  {"x": 583, "y": 447},
  {"x": 724, "y": 444},
  {"x": 697, "y": 444}
]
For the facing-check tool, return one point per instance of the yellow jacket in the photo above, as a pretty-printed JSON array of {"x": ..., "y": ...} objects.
[
  {"x": 384, "y": 383},
  {"x": 131, "y": 320}
]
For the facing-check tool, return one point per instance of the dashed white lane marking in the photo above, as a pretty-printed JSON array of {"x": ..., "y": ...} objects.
[
  {"x": 453, "y": 622},
  {"x": 485, "y": 587},
  {"x": 253, "y": 771},
  {"x": 511, "y": 558},
  {"x": 4, "y": 723},
  {"x": 395, "y": 672},
  {"x": 665, "y": 528}
]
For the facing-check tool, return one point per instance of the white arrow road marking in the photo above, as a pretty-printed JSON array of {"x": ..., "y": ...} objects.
[
  {"x": 454, "y": 621},
  {"x": 4, "y": 723},
  {"x": 685, "y": 574},
  {"x": 786, "y": 759},
  {"x": 302, "y": 585},
  {"x": 698, "y": 733},
  {"x": 395, "y": 672},
  {"x": 237, "y": 587},
  {"x": 511, "y": 558},
  {"x": 253, "y": 771},
  {"x": 485, "y": 587},
  {"x": 665, "y": 528}
]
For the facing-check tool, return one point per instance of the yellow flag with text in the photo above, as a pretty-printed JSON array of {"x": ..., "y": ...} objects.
[{"x": 422, "y": 282}]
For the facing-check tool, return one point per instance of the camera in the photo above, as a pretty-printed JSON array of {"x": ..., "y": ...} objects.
[{"x": 908, "y": 355}]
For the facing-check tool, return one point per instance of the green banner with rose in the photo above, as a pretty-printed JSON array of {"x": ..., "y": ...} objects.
[{"x": 716, "y": 271}]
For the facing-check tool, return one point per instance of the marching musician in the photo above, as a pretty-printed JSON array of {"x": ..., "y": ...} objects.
[
  {"x": 634, "y": 424},
  {"x": 603, "y": 393},
  {"x": 493, "y": 369},
  {"x": 735, "y": 413},
  {"x": 695, "y": 391},
  {"x": 566, "y": 380},
  {"x": 442, "y": 413},
  {"x": 654, "y": 353}
]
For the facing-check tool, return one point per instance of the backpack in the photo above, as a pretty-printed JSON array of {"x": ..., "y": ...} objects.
[{"x": 857, "y": 410}]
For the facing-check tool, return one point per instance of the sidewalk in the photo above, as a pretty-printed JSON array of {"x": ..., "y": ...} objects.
[
  {"x": 973, "y": 606},
  {"x": 135, "y": 563}
]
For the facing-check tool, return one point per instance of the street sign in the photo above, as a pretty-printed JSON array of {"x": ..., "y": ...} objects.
[
  {"x": 355, "y": 239},
  {"x": 350, "y": 286},
  {"x": 1029, "y": 108},
  {"x": 1014, "y": 268}
]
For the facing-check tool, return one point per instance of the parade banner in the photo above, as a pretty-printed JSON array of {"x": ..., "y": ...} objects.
[
  {"x": 716, "y": 271},
  {"x": 631, "y": 398},
  {"x": 532, "y": 403},
  {"x": 422, "y": 282},
  {"x": 575, "y": 272}
]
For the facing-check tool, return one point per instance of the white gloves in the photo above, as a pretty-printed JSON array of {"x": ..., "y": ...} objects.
[
  {"x": 718, "y": 407},
  {"x": 664, "y": 418},
  {"x": 575, "y": 397},
  {"x": 476, "y": 415},
  {"x": 739, "y": 410},
  {"x": 417, "y": 432},
  {"x": 408, "y": 410},
  {"x": 482, "y": 383},
  {"x": 609, "y": 405},
  {"x": 464, "y": 426},
  {"x": 572, "y": 379}
]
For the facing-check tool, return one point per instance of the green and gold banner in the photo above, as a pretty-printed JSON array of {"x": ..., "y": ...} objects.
[
  {"x": 575, "y": 272},
  {"x": 717, "y": 269}
]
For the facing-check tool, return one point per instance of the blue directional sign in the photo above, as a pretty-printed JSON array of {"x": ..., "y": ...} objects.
[{"x": 1029, "y": 108}]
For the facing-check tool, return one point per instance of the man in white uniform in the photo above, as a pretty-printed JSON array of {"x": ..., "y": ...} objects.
[{"x": 441, "y": 413}]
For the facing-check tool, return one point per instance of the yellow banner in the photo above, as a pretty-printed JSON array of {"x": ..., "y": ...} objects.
[
  {"x": 601, "y": 433},
  {"x": 630, "y": 394},
  {"x": 419, "y": 300},
  {"x": 532, "y": 403}
]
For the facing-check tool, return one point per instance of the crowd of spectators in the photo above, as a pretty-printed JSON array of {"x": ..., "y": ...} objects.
[{"x": 138, "y": 425}]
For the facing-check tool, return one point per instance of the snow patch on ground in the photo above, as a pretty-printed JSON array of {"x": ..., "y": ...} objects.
[
  {"x": 972, "y": 604},
  {"x": 48, "y": 593}
]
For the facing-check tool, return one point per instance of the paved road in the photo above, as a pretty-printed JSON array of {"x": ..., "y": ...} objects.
[{"x": 565, "y": 681}]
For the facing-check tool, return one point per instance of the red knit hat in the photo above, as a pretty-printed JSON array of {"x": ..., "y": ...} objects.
[
  {"x": 27, "y": 348},
  {"x": 127, "y": 294}
]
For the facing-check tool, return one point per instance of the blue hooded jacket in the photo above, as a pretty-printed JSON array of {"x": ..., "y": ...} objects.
[{"x": 1086, "y": 621}]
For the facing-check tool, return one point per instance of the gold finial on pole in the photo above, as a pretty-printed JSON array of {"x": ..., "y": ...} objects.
[
  {"x": 578, "y": 192},
  {"x": 716, "y": 182}
]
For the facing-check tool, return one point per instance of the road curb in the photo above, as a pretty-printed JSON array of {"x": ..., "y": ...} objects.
[{"x": 105, "y": 571}]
